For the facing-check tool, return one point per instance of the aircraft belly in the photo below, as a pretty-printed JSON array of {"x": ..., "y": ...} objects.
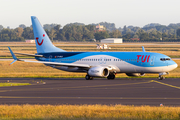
[
  {"x": 129, "y": 68},
  {"x": 71, "y": 69},
  {"x": 126, "y": 67}
]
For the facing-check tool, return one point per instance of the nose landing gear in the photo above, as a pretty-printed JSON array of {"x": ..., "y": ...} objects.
[{"x": 161, "y": 77}]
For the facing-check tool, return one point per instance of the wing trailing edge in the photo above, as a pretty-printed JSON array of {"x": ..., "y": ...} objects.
[
  {"x": 29, "y": 54},
  {"x": 60, "y": 64}
]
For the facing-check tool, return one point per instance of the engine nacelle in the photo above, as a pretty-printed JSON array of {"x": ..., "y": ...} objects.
[
  {"x": 135, "y": 74},
  {"x": 98, "y": 72}
]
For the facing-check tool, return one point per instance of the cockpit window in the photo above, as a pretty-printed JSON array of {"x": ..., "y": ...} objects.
[{"x": 164, "y": 59}]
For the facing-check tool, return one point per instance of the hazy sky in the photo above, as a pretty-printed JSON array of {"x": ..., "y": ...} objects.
[{"x": 121, "y": 12}]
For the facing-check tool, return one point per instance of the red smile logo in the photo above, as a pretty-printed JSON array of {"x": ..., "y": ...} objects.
[{"x": 41, "y": 41}]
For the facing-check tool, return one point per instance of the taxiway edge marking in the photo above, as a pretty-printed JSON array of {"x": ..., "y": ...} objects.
[{"x": 166, "y": 84}]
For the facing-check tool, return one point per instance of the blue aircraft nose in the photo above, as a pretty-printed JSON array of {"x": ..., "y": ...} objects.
[{"x": 172, "y": 65}]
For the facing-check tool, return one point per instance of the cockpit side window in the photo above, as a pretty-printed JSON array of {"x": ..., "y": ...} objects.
[{"x": 165, "y": 59}]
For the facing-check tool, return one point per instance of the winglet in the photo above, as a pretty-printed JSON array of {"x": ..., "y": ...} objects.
[
  {"x": 143, "y": 49},
  {"x": 12, "y": 62},
  {"x": 14, "y": 57}
]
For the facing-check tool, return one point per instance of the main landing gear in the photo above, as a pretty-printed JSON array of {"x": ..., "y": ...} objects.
[
  {"x": 161, "y": 77},
  {"x": 88, "y": 77},
  {"x": 111, "y": 76}
]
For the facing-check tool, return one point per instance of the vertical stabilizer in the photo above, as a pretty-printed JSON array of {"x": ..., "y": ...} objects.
[{"x": 43, "y": 43}]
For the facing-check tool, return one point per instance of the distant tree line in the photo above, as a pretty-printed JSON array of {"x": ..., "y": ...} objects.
[
  {"x": 81, "y": 32},
  {"x": 152, "y": 32},
  {"x": 18, "y": 34}
]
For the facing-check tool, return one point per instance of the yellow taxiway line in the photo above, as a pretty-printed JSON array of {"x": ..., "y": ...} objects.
[
  {"x": 94, "y": 86},
  {"x": 165, "y": 84}
]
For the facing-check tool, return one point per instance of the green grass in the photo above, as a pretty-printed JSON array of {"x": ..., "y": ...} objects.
[
  {"x": 88, "y": 112},
  {"x": 13, "y": 84}
]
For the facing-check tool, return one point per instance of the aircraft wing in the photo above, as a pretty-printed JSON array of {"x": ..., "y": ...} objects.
[
  {"x": 60, "y": 64},
  {"x": 48, "y": 63},
  {"x": 29, "y": 54}
]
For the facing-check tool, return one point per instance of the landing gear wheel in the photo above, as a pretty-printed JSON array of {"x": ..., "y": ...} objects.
[
  {"x": 108, "y": 77},
  {"x": 87, "y": 77},
  {"x": 161, "y": 77},
  {"x": 111, "y": 76}
]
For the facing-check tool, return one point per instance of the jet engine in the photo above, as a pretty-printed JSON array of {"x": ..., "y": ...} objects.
[
  {"x": 135, "y": 74},
  {"x": 98, "y": 72}
]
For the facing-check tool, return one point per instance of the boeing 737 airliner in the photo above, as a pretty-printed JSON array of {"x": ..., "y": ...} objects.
[{"x": 97, "y": 64}]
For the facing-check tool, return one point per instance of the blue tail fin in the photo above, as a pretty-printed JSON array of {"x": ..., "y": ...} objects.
[{"x": 43, "y": 43}]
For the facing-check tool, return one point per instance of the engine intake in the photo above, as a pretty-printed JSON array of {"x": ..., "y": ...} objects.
[
  {"x": 98, "y": 72},
  {"x": 135, "y": 74}
]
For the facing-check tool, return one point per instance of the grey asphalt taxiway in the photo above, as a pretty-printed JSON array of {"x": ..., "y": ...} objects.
[{"x": 125, "y": 91}]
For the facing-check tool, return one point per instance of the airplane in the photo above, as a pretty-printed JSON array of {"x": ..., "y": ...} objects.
[{"x": 96, "y": 64}]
